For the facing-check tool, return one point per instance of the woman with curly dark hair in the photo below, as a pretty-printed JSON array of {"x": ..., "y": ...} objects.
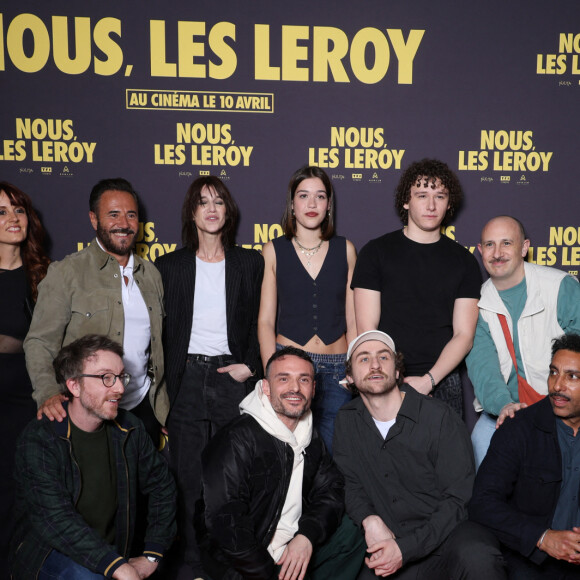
[{"x": 23, "y": 265}]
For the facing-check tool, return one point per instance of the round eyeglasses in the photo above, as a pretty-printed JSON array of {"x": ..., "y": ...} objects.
[{"x": 109, "y": 379}]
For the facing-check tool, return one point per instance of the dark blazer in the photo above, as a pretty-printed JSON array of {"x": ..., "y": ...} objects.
[
  {"x": 244, "y": 273},
  {"x": 518, "y": 484}
]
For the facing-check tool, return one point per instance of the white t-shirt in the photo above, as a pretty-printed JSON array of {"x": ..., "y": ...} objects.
[{"x": 209, "y": 329}]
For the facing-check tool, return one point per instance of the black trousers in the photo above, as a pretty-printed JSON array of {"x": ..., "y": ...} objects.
[
  {"x": 470, "y": 552},
  {"x": 206, "y": 401}
]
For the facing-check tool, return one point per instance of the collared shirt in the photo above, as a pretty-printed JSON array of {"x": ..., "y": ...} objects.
[
  {"x": 567, "y": 514},
  {"x": 81, "y": 295},
  {"x": 418, "y": 480},
  {"x": 136, "y": 337}
]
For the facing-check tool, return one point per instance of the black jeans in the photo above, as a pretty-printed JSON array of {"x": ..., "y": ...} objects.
[
  {"x": 206, "y": 401},
  {"x": 469, "y": 552}
]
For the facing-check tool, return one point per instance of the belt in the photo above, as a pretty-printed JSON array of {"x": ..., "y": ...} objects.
[{"x": 221, "y": 359}]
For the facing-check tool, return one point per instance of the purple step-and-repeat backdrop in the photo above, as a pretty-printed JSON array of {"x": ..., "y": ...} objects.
[{"x": 162, "y": 92}]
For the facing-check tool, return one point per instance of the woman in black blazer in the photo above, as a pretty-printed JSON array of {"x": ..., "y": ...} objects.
[{"x": 212, "y": 355}]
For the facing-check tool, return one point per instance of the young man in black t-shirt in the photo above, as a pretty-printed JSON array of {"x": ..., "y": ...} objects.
[{"x": 421, "y": 287}]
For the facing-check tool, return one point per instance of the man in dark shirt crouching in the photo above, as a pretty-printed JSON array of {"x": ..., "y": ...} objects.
[{"x": 78, "y": 479}]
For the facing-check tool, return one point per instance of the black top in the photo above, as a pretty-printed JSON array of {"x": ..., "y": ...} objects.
[
  {"x": 311, "y": 306},
  {"x": 14, "y": 314},
  {"x": 419, "y": 284}
]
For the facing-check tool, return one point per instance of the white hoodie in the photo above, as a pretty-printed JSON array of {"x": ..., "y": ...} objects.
[{"x": 258, "y": 406}]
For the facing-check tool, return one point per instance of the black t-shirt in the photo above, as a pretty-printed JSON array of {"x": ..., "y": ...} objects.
[{"x": 419, "y": 284}]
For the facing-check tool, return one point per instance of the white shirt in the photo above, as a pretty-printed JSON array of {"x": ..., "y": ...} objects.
[
  {"x": 136, "y": 337},
  {"x": 209, "y": 328}
]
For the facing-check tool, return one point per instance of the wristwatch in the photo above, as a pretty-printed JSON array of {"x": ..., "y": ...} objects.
[{"x": 153, "y": 559}]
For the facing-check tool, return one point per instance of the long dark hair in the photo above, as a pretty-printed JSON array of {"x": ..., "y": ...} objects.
[
  {"x": 34, "y": 259},
  {"x": 191, "y": 203},
  {"x": 288, "y": 219}
]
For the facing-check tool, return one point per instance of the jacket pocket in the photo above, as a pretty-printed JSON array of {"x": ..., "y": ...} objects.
[
  {"x": 535, "y": 489},
  {"x": 90, "y": 314}
]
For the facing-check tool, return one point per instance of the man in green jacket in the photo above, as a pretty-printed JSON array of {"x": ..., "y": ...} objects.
[
  {"x": 104, "y": 289},
  {"x": 78, "y": 479}
]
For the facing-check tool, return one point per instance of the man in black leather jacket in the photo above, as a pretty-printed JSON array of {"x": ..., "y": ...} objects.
[{"x": 274, "y": 499}]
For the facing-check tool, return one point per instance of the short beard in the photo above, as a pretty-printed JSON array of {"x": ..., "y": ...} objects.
[
  {"x": 105, "y": 239},
  {"x": 289, "y": 412}
]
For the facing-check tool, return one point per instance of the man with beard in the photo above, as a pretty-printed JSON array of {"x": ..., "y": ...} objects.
[
  {"x": 104, "y": 289},
  {"x": 77, "y": 480},
  {"x": 523, "y": 307},
  {"x": 273, "y": 496},
  {"x": 408, "y": 468},
  {"x": 526, "y": 490}
]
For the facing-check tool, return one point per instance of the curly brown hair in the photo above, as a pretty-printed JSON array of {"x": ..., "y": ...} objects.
[
  {"x": 32, "y": 252},
  {"x": 430, "y": 170}
]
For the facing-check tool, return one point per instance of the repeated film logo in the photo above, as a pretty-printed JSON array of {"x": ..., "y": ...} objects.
[
  {"x": 203, "y": 144},
  {"x": 562, "y": 251},
  {"x": 352, "y": 149},
  {"x": 505, "y": 152},
  {"x": 47, "y": 141},
  {"x": 565, "y": 63}
]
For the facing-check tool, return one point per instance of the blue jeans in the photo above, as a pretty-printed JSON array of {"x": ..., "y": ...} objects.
[
  {"x": 329, "y": 396},
  {"x": 481, "y": 436},
  {"x": 60, "y": 567}
]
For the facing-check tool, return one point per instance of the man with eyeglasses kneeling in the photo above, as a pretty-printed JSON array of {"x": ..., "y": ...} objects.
[{"x": 78, "y": 479}]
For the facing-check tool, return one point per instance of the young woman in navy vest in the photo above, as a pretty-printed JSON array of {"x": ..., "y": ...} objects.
[{"x": 306, "y": 297}]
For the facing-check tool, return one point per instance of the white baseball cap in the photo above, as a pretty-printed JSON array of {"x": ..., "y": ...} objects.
[{"x": 370, "y": 335}]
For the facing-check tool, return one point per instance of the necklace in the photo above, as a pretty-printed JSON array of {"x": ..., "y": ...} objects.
[{"x": 308, "y": 252}]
